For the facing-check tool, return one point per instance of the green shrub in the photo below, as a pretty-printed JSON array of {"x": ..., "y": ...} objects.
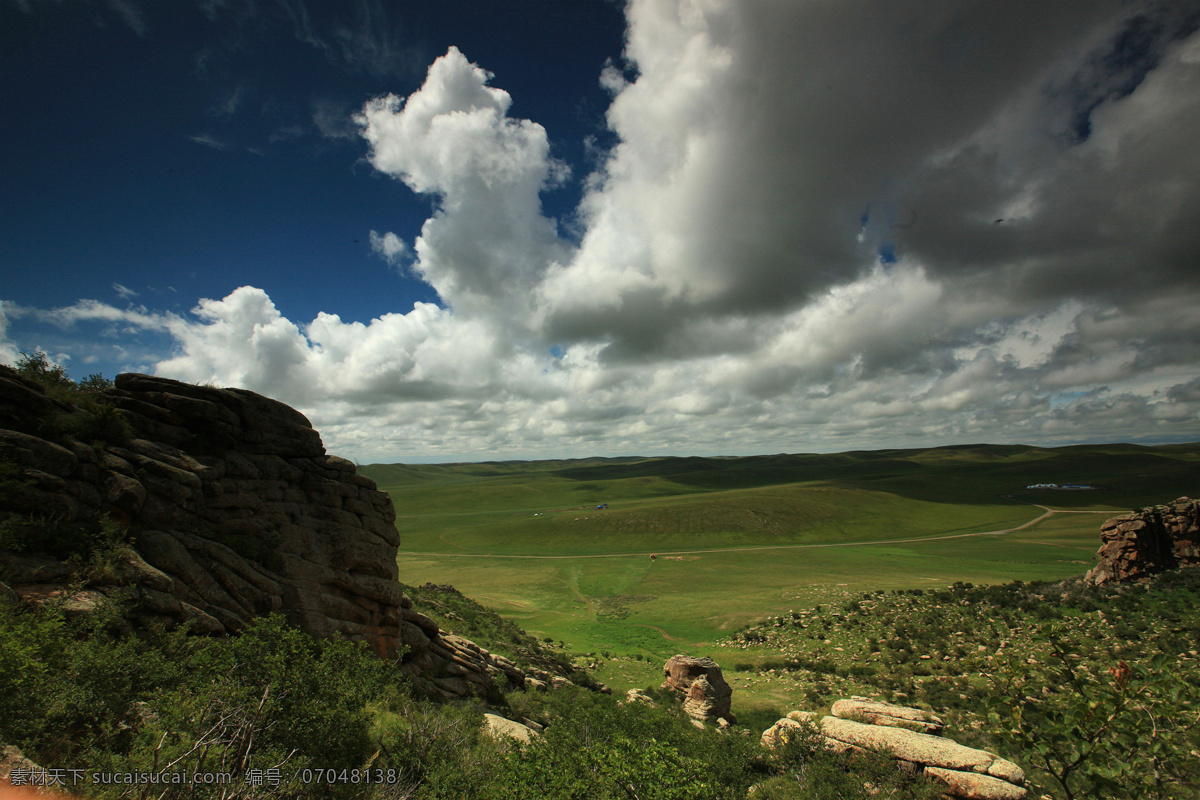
[
  {"x": 595, "y": 748},
  {"x": 95, "y": 383},
  {"x": 52, "y": 377},
  {"x": 67, "y": 688},
  {"x": 90, "y": 547},
  {"x": 1130, "y": 732},
  {"x": 91, "y": 417},
  {"x": 72, "y": 695}
]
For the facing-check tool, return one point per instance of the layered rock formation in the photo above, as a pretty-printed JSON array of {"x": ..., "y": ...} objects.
[
  {"x": 965, "y": 772},
  {"x": 706, "y": 695},
  {"x": 1138, "y": 545},
  {"x": 450, "y": 666},
  {"x": 234, "y": 510},
  {"x": 888, "y": 715}
]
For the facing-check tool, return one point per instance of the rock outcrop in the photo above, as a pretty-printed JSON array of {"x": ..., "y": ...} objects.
[
  {"x": 234, "y": 510},
  {"x": 16, "y": 769},
  {"x": 888, "y": 715},
  {"x": 1136, "y": 546},
  {"x": 445, "y": 665},
  {"x": 706, "y": 695},
  {"x": 965, "y": 772},
  {"x": 501, "y": 728},
  {"x": 234, "y": 507}
]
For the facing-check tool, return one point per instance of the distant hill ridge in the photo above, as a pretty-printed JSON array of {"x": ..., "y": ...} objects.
[{"x": 1123, "y": 474}]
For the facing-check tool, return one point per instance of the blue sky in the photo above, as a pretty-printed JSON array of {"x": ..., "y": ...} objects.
[
  {"x": 468, "y": 230},
  {"x": 156, "y": 145}
]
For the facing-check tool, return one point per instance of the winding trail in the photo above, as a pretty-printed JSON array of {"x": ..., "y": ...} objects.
[
  {"x": 666, "y": 635},
  {"x": 1048, "y": 512}
]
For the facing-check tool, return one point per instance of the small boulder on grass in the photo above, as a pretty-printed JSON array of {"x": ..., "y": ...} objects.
[
  {"x": 706, "y": 695},
  {"x": 638, "y": 696}
]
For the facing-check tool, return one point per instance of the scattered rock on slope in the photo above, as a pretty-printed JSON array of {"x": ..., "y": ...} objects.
[
  {"x": 638, "y": 696},
  {"x": 500, "y": 728}
]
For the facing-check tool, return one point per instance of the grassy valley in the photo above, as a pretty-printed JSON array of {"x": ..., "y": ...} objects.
[{"x": 737, "y": 539}]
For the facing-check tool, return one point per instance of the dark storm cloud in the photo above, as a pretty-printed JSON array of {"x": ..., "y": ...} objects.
[
  {"x": 1116, "y": 68},
  {"x": 1088, "y": 190}
]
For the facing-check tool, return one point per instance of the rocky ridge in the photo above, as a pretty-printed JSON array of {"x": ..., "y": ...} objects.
[
  {"x": 1136, "y": 546},
  {"x": 233, "y": 509}
]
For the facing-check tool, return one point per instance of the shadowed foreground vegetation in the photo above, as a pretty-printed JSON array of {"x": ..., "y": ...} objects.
[
  {"x": 285, "y": 715},
  {"x": 1095, "y": 692}
]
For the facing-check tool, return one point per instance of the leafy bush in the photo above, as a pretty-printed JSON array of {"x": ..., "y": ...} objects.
[
  {"x": 596, "y": 748},
  {"x": 91, "y": 417},
  {"x": 52, "y": 377},
  {"x": 91, "y": 548},
  {"x": 163, "y": 701},
  {"x": 67, "y": 689},
  {"x": 1130, "y": 732}
]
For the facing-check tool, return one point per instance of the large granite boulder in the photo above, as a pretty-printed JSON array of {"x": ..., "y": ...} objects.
[
  {"x": 1138, "y": 545},
  {"x": 706, "y": 695}
]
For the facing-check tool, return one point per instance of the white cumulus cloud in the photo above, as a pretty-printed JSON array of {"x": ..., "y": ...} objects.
[
  {"x": 488, "y": 243},
  {"x": 390, "y": 247}
]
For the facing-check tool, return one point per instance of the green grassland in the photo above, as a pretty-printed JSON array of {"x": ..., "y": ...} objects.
[{"x": 739, "y": 539}]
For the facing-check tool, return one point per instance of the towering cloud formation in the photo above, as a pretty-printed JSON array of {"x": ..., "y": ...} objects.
[
  {"x": 488, "y": 244},
  {"x": 823, "y": 225}
]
